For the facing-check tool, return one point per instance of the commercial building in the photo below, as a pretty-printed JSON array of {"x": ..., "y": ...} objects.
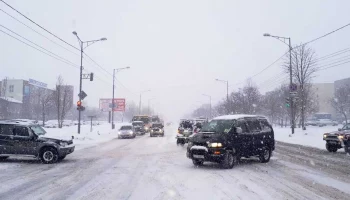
[
  {"x": 324, "y": 92},
  {"x": 29, "y": 94}
]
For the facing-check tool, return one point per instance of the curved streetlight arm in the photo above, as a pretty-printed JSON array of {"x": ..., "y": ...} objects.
[{"x": 278, "y": 38}]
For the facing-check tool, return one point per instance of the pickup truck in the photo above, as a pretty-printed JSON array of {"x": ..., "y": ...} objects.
[{"x": 338, "y": 139}]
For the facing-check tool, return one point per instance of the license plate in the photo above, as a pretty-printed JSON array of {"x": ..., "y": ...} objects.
[
  {"x": 198, "y": 156},
  {"x": 333, "y": 142}
]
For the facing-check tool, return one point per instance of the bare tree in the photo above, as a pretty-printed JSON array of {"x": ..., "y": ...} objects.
[
  {"x": 46, "y": 101},
  {"x": 341, "y": 101},
  {"x": 62, "y": 100},
  {"x": 304, "y": 68},
  {"x": 246, "y": 100}
]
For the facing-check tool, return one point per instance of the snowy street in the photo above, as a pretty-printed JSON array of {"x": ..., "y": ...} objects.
[{"x": 155, "y": 168}]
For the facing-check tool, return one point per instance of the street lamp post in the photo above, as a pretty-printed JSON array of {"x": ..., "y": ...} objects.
[
  {"x": 140, "y": 100},
  {"x": 81, "y": 43},
  {"x": 209, "y": 104},
  {"x": 114, "y": 71},
  {"x": 228, "y": 106},
  {"x": 148, "y": 108},
  {"x": 290, "y": 74}
]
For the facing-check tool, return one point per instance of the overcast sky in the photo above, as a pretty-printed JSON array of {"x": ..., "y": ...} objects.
[{"x": 174, "y": 48}]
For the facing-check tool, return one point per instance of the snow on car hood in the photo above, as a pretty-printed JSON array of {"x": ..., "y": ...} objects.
[{"x": 56, "y": 137}]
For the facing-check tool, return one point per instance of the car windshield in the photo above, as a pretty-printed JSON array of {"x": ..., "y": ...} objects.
[
  {"x": 137, "y": 124},
  {"x": 125, "y": 128},
  {"x": 157, "y": 125},
  {"x": 218, "y": 126},
  {"x": 38, "y": 130}
]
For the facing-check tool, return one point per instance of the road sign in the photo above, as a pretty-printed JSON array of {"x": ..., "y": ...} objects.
[
  {"x": 293, "y": 87},
  {"x": 82, "y": 95},
  {"x": 106, "y": 104}
]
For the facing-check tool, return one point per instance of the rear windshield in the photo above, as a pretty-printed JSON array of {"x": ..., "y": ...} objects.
[
  {"x": 126, "y": 128},
  {"x": 137, "y": 124},
  {"x": 218, "y": 126}
]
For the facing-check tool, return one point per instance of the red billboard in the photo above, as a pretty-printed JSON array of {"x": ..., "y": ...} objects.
[{"x": 106, "y": 104}]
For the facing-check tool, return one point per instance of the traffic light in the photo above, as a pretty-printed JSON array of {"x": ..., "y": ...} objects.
[
  {"x": 80, "y": 106},
  {"x": 287, "y": 103},
  {"x": 91, "y": 76}
]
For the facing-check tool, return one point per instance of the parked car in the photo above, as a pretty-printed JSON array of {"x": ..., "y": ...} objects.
[
  {"x": 326, "y": 122},
  {"x": 226, "y": 139},
  {"x": 139, "y": 127},
  {"x": 30, "y": 139},
  {"x": 311, "y": 123},
  {"x": 157, "y": 129},
  {"x": 51, "y": 124},
  {"x": 126, "y": 131},
  {"x": 337, "y": 139}
]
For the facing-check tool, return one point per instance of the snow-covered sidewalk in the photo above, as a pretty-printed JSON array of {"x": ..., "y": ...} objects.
[
  {"x": 100, "y": 133},
  {"x": 312, "y": 136}
]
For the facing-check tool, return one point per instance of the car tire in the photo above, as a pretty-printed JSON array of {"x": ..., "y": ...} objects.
[
  {"x": 48, "y": 155},
  {"x": 60, "y": 158},
  {"x": 3, "y": 157},
  {"x": 331, "y": 148},
  {"x": 197, "y": 162},
  {"x": 265, "y": 155},
  {"x": 228, "y": 161}
]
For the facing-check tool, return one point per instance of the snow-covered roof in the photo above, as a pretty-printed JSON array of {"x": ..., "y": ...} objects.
[
  {"x": 228, "y": 117},
  {"x": 137, "y": 122},
  {"x": 10, "y": 99}
]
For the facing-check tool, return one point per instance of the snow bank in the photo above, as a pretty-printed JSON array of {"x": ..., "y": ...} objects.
[
  {"x": 312, "y": 136},
  {"x": 99, "y": 134}
]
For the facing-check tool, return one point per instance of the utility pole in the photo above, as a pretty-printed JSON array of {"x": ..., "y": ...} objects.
[
  {"x": 87, "y": 76},
  {"x": 140, "y": 100},
  {"x": 228, "y": 102},
  {"x": 113, "y": 104},
  {"x": 291, "y": 86}
]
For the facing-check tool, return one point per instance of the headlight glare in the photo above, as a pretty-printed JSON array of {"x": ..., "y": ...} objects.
[
  {"x": 63, "y": 144},
  {"x": 215, "y": 144}
]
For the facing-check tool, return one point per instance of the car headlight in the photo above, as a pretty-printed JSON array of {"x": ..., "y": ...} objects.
[
  {"x": 215, "y": 144},
  {"x": 131, "y": 132},
  {"x": 340, "y": 137},
  {"x": 119, "y": 132},
  {"x": 324, "y": 135},
  {"x": 146, "y": 128},
  {"x": 152, "y": 131},
  {"x": 160, "y": 130},
  {"x": 63, "y": 144}
]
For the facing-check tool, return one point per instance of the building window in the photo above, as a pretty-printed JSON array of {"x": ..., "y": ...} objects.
[{"x": 11, "y": 88}]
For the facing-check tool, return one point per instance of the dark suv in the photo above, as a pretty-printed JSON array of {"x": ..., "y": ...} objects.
[
  {"x": 18, "y": 138},
  {"x": 226, "y": 139}
]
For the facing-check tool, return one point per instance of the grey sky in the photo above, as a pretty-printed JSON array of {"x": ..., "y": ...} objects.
[{"x": 175, "y": 48}]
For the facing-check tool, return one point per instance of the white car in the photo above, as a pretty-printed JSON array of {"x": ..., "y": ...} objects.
[
  {"x": 326, "y": 122},
  {"x": 51, "y": 124}
]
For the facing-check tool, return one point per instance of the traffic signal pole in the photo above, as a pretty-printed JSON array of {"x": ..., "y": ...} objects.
[
  {"x": 113, "y": 100},
  {"x": 81, "y": 82}
]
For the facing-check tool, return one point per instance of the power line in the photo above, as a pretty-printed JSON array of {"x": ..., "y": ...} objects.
[
  {"x": 39, "y": 25},
  {"x": 38, "y": 45},
  {"x": 57, "y": 58},
  {"x": 37, "y": 32},
  {"x": 325, "y": 35}
]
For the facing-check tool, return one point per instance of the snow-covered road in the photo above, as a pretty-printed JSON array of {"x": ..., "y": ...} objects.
[{"x": 155, "y": 168}]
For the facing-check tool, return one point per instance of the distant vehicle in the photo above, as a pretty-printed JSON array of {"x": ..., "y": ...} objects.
[
  {"x": 226, "y": 139},
  {"x": 145, "y": 119},
  {"x": 155, "y": 119},
  {"x": 326, "y": 122},
  {"x": 184, "y": 132},
  {"x": 24, "y": 139},
  {"x": 51, "y": 124},
  {"x": 126, "y": 131},
  {"x": 311, "y": 123},
  {"x": 139, "y": 127},
  {"x": 338, "y": 139},
  {"x": 157, "y": 129}
]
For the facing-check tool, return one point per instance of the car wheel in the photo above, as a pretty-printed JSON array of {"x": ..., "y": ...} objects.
[
  {"x": 61, "y": 158},
  {"x": 3, "y": 157},
  {"x": 265, "y": 155},
  {"x": 48, "y": 155},
  {"x": 197, "y": 162},
  {"x": 331, "y": 148},
  {"x": 229, "y": 160}
]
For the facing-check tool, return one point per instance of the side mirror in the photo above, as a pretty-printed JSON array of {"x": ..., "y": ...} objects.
[
  {"x": 339, "y": 129},
  {"x": 239, "y": 130}
]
